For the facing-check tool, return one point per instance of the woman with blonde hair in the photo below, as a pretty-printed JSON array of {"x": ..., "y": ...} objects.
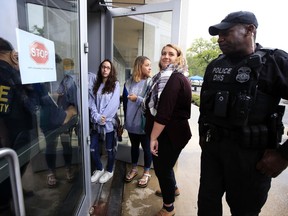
[
  {"x": 167, "y": 110},
  {"x": 133, "y": 95}
]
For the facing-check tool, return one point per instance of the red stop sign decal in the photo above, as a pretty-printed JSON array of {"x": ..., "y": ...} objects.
[{"x": 39, "y": 52}]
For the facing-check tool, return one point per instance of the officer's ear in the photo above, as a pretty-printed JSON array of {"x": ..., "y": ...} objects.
[
  {"x": 250, "y": 29},
  {"x": 14, "y": 57}
]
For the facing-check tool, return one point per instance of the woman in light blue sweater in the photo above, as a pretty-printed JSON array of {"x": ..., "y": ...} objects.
[
  {"x": 103, "y": 105},
  {"x": 133, "y": 94}
]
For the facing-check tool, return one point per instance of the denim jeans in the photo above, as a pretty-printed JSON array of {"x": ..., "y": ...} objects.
[{"x": 95, "y": 149}]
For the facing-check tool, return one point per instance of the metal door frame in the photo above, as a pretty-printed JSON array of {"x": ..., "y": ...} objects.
[
  {"x": 173, "y": 6},
  {"x": 85, "y": 138}
]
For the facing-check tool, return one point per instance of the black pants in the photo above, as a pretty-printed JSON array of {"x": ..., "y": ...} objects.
[
  {"x": 136, "y": 139},
  {"x": 226, "y": 167},
  {"x": 163, "y": 166}
]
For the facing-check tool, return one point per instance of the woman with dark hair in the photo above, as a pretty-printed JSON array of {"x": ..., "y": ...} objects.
[{"x": 103, "y": 105}]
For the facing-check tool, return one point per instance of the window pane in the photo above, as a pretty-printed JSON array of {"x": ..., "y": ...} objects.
[
  {"x": 33, "y": 124},
  {"x": 134, "y": 36}
]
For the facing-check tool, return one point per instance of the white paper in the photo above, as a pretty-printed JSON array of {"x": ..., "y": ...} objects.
[{"x": 36, "y": 58}]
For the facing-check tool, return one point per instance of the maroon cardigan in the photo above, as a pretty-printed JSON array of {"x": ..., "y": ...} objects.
[{"x": 174, "y": 110}]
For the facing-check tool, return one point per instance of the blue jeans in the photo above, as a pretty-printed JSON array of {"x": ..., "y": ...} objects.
[
  {"x": 95, "y": 149},
  {"x": 136, "y": 139}
]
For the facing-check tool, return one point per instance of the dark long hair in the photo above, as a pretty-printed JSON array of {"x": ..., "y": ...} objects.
[{"x": 110, "y": 82}]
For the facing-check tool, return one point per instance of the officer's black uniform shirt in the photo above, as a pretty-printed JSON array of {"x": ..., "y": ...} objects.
[{"x": 14, "y": 114}]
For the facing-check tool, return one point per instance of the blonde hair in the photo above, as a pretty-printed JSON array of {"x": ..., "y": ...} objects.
[
  {"x": 137, "y": 71},
  {"x": 180, "y": 60}
]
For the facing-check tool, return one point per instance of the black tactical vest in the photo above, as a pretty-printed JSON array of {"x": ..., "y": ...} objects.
[{"x": 230, "y": 94}]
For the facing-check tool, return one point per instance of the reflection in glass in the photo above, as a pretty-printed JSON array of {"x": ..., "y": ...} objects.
[
  {"x": 139, "y": 35},
  {"x": 50, "y": 153}
]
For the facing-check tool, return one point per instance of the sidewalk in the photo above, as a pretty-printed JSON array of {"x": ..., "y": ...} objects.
[
  {"x": 143, "y": 202},
  {"x": 140, "y": 202}
]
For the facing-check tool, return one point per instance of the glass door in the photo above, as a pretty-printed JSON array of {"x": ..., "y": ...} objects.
[
  {"x": 44, "y": 122},
  {"x": 141, "y": 29},
  {"x": 57, "y": 169},
  {"x": 136, "y": 35}
]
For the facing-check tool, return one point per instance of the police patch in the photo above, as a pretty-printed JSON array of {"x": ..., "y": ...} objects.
[{"x": 243, "y": 74}]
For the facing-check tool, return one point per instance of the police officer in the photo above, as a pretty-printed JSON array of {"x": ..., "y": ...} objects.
[
  {"x": 240, "y": 123},
  {"x": 17, "y": 127}
]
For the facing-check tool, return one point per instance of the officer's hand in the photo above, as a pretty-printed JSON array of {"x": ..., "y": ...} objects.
[{"x": 272, "y": 163}]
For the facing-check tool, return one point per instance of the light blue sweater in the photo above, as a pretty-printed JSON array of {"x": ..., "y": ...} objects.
[
  {"x": 106, "y": 105},
  {"x": 133, "y": 110}
]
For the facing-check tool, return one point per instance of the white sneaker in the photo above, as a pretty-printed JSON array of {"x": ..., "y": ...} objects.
[
  {"x": 96, "y": 175},
  {"x": 105, "y": 177}
]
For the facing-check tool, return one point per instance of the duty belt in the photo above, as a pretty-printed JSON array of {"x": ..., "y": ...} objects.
[
  {"x": 217, "y": 133},
  {"x": 249, "y": 137}
]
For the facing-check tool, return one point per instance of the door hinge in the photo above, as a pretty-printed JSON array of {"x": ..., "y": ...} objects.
[
  {"x": 88, "y": 140},
  {"x": 86, "y": 47}
]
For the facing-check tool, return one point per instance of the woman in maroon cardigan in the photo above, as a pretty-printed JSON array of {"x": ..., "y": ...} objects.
[{"x": 167, "y": 110}]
